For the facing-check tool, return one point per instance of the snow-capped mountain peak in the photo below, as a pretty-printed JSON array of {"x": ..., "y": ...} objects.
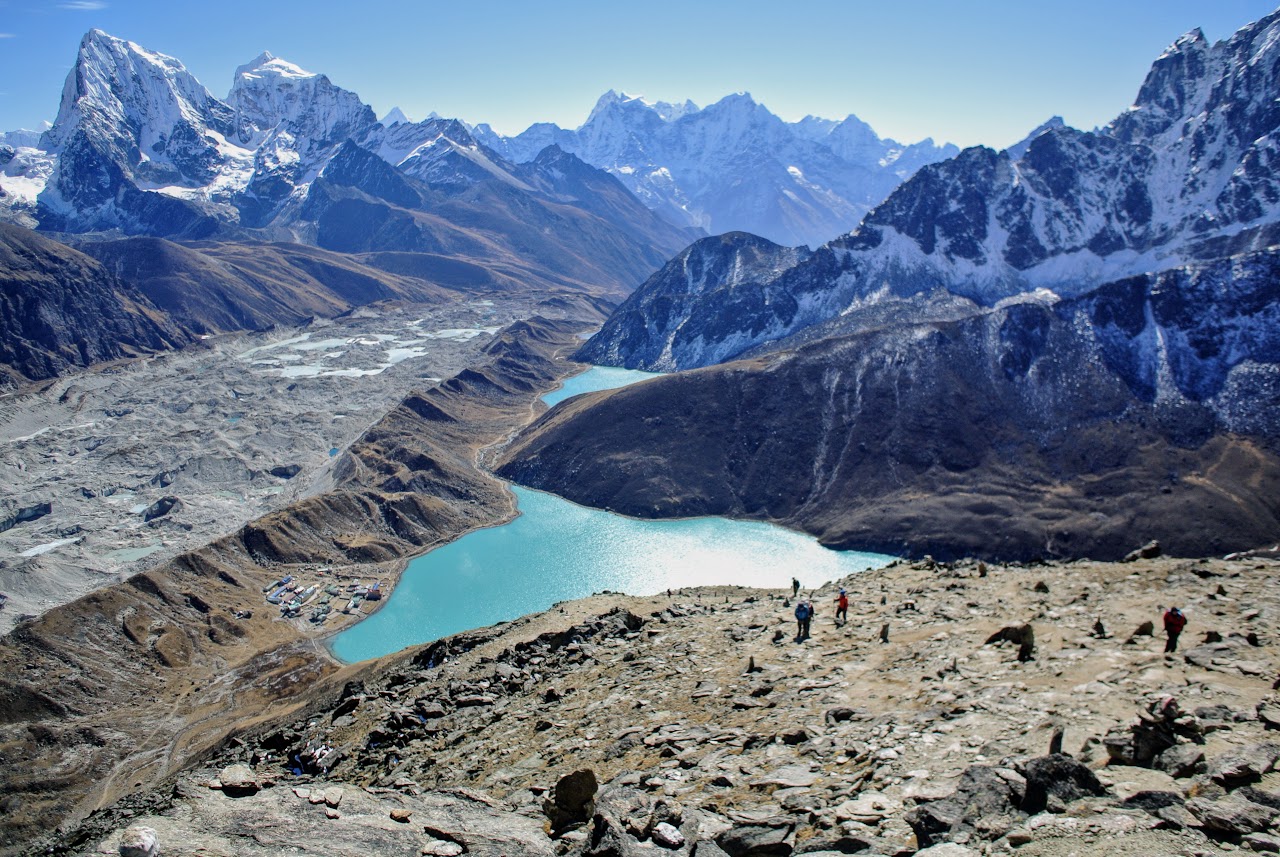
[
  {"x": 1187, "y": 175},
  {"x": 733, "y": 165},
  {"x": 395, "y": 116},
  {"x": 267, "y": 64},
  {"x": 1018, "y": 149},
  {"x": 270, "y": 93},
  {"x": 117, "y": 85}
]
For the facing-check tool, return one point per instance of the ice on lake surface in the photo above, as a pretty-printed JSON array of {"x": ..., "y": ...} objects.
[
  {"x": 131, "y": 554},
  {"x": 352, "y": 357}
]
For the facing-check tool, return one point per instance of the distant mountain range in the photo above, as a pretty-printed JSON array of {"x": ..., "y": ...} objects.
[
  {"x": 287, "y": 199},
  {"x": 1186, "y": 175},
  {"x": 140, "y": 147},
  {"x": 734, "y": 165}
]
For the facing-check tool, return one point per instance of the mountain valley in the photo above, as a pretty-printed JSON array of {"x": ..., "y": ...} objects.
[{"x": 259, "y": 352}]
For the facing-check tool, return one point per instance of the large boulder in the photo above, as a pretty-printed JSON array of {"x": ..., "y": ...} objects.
[
  {"x": 1244, "y": 765},
  {"x": 139, "y": 841},
  {"x": 1234, "y": 814},
  {"x": 986, "y": 802},
  {"x": 572, "y": 801},
  {"x": 238, "y": 780},
  {"x": 1059, "y": 776}
]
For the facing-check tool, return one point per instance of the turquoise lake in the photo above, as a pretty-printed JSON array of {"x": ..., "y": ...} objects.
[
  {"x": 597, "y": 378},
  {"x": 557, "y": 550}
]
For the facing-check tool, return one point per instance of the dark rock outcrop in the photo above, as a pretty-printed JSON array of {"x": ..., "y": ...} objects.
[
  {"x": 1057, "y": 776},
  {"x": 59, "y": 309}
]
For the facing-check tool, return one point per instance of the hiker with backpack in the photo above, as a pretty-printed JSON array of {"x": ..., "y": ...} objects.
[{"x": 804, "y": 614}]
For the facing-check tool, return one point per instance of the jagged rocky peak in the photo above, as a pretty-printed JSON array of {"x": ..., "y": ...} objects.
[
  {"x": 664, "y": 110},
  {"x": 677, "y": 318},
  {"x": 134, "y": 99},
  {"x": 1186, "y": 175},
  {"x": 1170, "y": 87},
  {"x": 274, "y": 94},
  {"x": 1018, "y": 149},
  {"x": 441, "y": 152}
]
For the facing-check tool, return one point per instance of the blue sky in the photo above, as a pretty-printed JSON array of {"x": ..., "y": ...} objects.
[{"x": 968, "y": 72}]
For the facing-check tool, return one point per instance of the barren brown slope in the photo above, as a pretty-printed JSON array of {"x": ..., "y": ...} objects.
[
  {"x": 220, "y": 287},
  {"x": 121, "y": 686}
]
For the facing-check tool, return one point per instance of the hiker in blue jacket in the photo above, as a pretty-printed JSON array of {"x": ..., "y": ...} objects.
[{"x": 804, "y": 613}]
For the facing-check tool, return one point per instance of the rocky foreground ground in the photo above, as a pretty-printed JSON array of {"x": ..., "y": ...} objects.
[{"x": 697, "y": 724}]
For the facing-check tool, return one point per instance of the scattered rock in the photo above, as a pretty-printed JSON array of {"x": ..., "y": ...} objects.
[
  {"x": 401, "y": 815},
  {"x": 1150, "y": 550},
  {"x": 1184, "y": 760},
  {"x": 1246, "y": 765},
  {"x": 667, "y": 836},
  {"x": 868, "y": 808},
  {"x": 745, "y": 840},
  {"x": 984, "y": 803},
  {"x": 1233, "y": 814},
  {"x": 947, "y": 849},
  {"x": 238, "y": 780},
  {"x": 1262, "y": 844},
  {"x": 139, "y": 841}
]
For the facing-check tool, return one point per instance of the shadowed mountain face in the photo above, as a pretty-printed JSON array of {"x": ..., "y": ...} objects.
[
  {"x": 1185, "y": 175},
  {"x": 60, "y": 309},
  {"x": 683, "y": 314},
  {"x": 579, "y": 230},
  {"x": 1145, "y": 409},
  {"x": 217, "y": 288}
]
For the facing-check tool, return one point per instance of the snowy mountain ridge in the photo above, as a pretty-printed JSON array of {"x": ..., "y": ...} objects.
[
  {"x": 734, "y": 165},
  {"x": 1185, "y": 175}
]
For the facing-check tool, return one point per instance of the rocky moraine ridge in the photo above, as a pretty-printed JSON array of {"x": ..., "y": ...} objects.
[{"x": 964, "y": 709}]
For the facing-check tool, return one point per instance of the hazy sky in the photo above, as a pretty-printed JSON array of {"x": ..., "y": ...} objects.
[{"x": 967, "y": 72}]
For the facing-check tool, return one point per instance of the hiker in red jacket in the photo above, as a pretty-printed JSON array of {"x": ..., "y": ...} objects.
[
  {"x": 842, "y": 608},
  {"x": 1174, "y": 622}
]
